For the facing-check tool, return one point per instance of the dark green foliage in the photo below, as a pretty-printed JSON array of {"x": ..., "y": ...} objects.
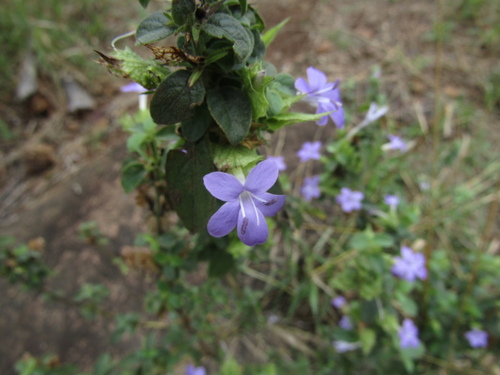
[
  {"x": 154, "y": 28},
  {"x": 186, "y": 192},
  {"x": 232, "y": 111},
  {"x": 174, "y": 100}
]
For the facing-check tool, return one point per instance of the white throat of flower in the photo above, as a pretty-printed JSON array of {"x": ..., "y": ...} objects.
[{"x": 245, "y": 195}]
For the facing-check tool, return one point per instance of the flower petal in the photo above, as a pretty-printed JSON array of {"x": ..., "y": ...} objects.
[
  {"x": 302, "y": 86},
  {"x": 338, "y": 117},
  {"x": 262, "y": 177},
  {"x": 317, "y": 79},
  {"x": 224, "y": 220},
  {"x": 252, "y": 228},
  {"x": 223, "y": 186},
  {"x": 269, "y": 204}
]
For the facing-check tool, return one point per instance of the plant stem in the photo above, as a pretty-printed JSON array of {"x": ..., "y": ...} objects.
[
  {"x": 430, "y": 243},
  {"x": 156, "y": 178}
]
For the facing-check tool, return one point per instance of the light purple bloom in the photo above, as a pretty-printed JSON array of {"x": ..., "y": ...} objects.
[
  {"x": 410, "y": 265},
  {"x": 396, "y": 143},
  {"x": 408, "y": 334},
  {"x": 273, "y": 319},
  {"x": 350, "y": 200},
  {"x": 309, "y": 150},
  {"x": 477, "y": 338},
  {"x": 133, "y": 87},
  {"x": 323, "y": 94},
  {"x": 345, "y": 323},
  {"x": 424, "y": 185},
  {"x": 338, "y": 302},
  {"x": 246, "y": 203},
  {"x": 191, "y": 370},
  {"x": 374, "y": 113},
  {"x": 279, "y": 160},
  {"x": 391, "y": 200},
  {"x": 345, "y": 346},
  {"x": 310, "y": 189}
]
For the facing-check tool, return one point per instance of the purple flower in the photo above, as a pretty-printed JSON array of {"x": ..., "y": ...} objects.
[
  {"x": 391, "y": 200},
  {"x": 323, "y": 94},
  {"x": 309, "y": 150},
  {"x": 350, "y": 200},
  {"x": 310, "y": 189},
  {"x": 477, "y": 338},
  {"x": 410, "y": 265},
  {"x": 374, "y": 113},
  {"x": 396, "y": 143},
  {"x": 246, "y": 203},
  {"x": 279, "y": 160},
  {"x": 408, "y": 334},
  {"x": 133, "y": 87},
  {"x": 338, "y": 302},
  {"x": 345, "y": 346},
  {"x": 345, "y": 323},
  {"x": 191, "y": 370}
]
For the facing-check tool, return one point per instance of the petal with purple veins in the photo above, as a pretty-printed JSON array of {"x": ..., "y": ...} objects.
[
  {"x": 252, "y": 226},
  {"x": 269, "y": 204}
]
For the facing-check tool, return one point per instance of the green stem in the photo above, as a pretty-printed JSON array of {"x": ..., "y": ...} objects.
[
  {"x": 157, "y": 174},
  {"x": 430, "y": 245}
]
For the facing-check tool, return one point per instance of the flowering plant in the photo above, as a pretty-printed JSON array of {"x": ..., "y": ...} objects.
[{"x": 329, "y": 259}]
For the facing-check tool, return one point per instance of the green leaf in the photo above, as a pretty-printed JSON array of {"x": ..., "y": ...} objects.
[
  {"x": 135, "y": 141},
  {"x": 230, "y": 367},
  {"x": 255, "y": 83},
  {"x": 104, "y": 363},
  {"x": 185, "y": 190},
  {"x": 133, "y": 175},
  {"x": 285, "y": 83},
  {"x": 229, "y": 157},
  {"x": 368, "y": 339},
  {"x": 174, "y": 100},
  {"x": 408, "y": 305},
  {"x": 232, "y": 111},
  {"x": 270, "y": 34},
  {"x": 144, "y": 3},
  {"x": 154, "y": 28},
  {"x": 410, "y": 354},
  {"x": 243, "y": 6},
  {"x": 195, "y": 127},
  {"x": 221, "y": 262},
  {"x": 284, "y": 119},
  {"x": 275, "y": 102},
  {"x": 181, "y": 10},
  {"x": 148, "y": 73},
  {"x": 259, "y": 48},
  {"x": 314, "y": 298},
  {"x": 215, "y": 55},
  {"x": 222, "y": 25}
]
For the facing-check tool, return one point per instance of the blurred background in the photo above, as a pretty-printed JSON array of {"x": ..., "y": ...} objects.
[{"x": 61, "y": 145}]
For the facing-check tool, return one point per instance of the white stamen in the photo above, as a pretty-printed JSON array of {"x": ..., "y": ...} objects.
[
  {"x": 242, "y": 206},
  {"x": 245, "y": 195}
]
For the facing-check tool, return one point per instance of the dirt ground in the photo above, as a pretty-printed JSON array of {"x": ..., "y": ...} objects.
[{"x": 344, "y": 39}]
